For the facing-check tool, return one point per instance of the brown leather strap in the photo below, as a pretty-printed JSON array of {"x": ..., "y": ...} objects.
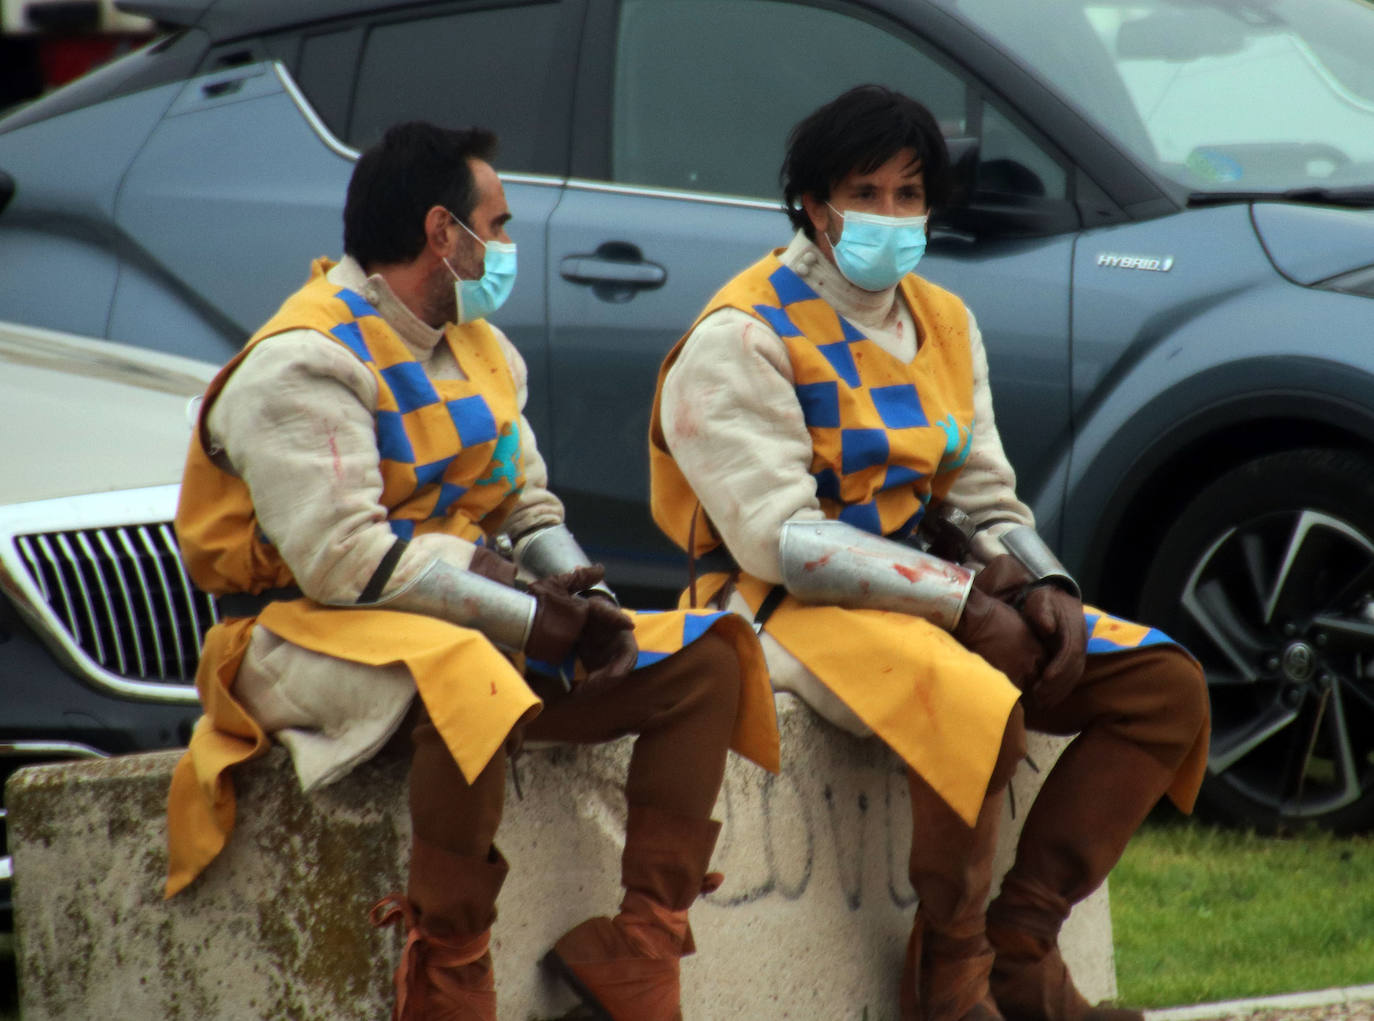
[{"x": 692, "y": 558}]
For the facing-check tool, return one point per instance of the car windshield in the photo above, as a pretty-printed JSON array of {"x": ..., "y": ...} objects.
[{"x": 1218, "y": 95}]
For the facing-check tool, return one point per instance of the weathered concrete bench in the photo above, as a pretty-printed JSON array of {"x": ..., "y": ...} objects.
[{"x": 811, "y": 923}]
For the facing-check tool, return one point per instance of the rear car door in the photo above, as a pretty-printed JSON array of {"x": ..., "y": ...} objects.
[
  {"x": 683, "y": 110},
  {"x": 243, "y": 182}
]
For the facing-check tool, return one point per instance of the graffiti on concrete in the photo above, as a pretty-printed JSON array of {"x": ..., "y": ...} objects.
[{"x": 780, "y": 831}]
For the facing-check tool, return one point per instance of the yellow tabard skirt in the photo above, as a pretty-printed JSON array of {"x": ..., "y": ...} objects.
[
  {"x": 474, "y": 694},
  {"x": 946, "y": 708},
  {"x": 940, "y": 707}
]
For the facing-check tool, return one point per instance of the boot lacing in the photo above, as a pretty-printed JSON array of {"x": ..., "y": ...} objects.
[
  {"x": 422, "y": 947},
  {"x": 644, "y": 921}
]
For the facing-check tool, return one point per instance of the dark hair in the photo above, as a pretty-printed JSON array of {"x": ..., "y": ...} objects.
[
  {"x": 397, "y": 181},
  {"x": 860, "y": 131}
]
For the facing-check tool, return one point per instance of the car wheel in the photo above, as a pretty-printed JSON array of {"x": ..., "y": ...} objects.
[{"x": 1267, "y": 576}]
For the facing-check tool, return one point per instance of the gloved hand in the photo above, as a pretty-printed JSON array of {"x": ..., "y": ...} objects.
[
  {"x": 1056, "y": 617},
  {"x": 607, "y": 648},
  {"x": 605, "y": 640},
  {"x": 1004, "y": 578},
  {"x": 998, "y": 633},
  {"x": 492, "y": 565},
  {"x": 559, "y": 617}
]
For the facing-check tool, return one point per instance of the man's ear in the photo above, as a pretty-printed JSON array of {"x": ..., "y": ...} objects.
[{"x": 438, "y": 225}]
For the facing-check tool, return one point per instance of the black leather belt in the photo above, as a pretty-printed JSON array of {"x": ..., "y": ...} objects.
[
  {"x": 720, "y": 560},
  {"x": 246, "y": 604}
]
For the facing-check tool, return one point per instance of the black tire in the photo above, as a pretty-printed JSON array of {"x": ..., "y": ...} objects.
[{"x": 1267, "y": 576}]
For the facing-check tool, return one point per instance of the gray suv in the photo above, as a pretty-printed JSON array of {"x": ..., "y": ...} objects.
[{"x": 1160, "y": 222}]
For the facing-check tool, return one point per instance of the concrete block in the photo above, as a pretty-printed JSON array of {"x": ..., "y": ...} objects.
[{"x": 811, "y": 922}]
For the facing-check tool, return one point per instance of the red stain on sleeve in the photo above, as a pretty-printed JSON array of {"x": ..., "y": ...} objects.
[
  {"x": 812, "y": 565},
  {"x": 338, "y": 461},
  {"x": 911, "y": 574},
  {"x": 684, "y": 421}
]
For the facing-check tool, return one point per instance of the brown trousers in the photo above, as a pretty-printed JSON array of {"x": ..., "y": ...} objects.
[
  {"x": 682, "y": 709},
  {"x": 1137, "y": 715},
  {"x": 1141, "y": 705}
]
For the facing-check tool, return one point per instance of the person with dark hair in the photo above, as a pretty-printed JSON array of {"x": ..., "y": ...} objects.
[
  {"x": 366, "y": 499},
  {"x": 823, "y": 446}
]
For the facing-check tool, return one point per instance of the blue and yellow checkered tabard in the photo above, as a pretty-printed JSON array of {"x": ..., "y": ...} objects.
[
  {"x": 886, "y": 435},
  {"x": 450, "y": 452},
  {"x": 450, "y": 449}
]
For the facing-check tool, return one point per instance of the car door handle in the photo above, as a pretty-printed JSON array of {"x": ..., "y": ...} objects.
[
  {"x": 616, "y": 263},
  {"x": 588, "y": 269},
  {"x": 229, "y": 83}
]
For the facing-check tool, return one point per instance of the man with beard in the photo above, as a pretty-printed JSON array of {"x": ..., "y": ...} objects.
[{"x": 354, "y": 471}]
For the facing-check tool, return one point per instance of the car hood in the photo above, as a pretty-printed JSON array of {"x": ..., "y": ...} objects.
[
  {"x": 89, "y": 416},
  {"x": 1309, "y": 244}
]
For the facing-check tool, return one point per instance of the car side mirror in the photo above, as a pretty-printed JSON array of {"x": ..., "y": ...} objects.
[{"x": 997, "y": 199}]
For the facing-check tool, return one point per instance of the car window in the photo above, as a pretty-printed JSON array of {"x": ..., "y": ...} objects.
[
  {"x": 680, "y": 119},
  {"x": 328, "y": 61},
  {"x": 497, "y": 67},
  {"x": 1248, "y": 94},
  {"x": 1010, "y": 163}
]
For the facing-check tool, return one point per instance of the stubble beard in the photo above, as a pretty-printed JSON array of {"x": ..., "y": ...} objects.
[{"x": 441, "y": 305}]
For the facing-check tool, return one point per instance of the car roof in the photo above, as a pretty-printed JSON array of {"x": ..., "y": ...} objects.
[{"x": 229, "y": 19}]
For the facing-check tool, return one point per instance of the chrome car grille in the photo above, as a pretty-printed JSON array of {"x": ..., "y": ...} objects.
[{"x": 123, "y": 598}]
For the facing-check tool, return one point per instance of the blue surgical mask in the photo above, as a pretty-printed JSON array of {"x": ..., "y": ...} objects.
[
  {"x": 479, "y": 298},
  {"x": 874, "y": 252}
]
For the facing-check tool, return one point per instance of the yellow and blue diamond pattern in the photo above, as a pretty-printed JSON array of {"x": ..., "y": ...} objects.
[
  {"x": 449, "y": 449},
  {"x": 886, "y": 435}
]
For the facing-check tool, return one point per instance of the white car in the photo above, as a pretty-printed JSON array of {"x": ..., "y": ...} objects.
[{"x": 99, "y": 626}]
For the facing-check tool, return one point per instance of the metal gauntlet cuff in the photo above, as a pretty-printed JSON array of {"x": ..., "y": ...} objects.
[
  {"x": 505, "y": 615},
  {"x": 1024, "y": 543},
  {"x": 833, "y": 562},
  {"x": 554, "y": 550}
]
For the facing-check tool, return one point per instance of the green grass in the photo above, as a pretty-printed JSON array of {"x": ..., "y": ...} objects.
[{"x": 1201, "y": 914}]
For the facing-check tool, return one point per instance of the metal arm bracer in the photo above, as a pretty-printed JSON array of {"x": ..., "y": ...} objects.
[
  {"x": 505, "y": 615},
  {"x": 1024, "y": 543},
  {"x": 836, "y": 563},
  {"x": 554, "y": 550}
]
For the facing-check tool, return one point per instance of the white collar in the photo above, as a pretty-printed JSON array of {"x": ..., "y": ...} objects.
[
  {"x": 417, "y": 334},
  {"x": 868, "y": 308}
]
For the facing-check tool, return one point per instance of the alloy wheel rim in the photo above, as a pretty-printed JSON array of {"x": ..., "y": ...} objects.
[{"x": 1285, "y": 605}]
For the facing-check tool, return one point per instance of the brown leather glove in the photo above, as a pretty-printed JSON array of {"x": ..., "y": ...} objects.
[
  {"x": 607, "y": 647},
  {"x": 1004, "y": 578},
  {"x": 492, "y": 565},
  {"x": 997, "y": 632},
  {"x": 1056, "y": 617},
  {"x": 606, "y": 644},
  {"x": 559, "y": 617}
]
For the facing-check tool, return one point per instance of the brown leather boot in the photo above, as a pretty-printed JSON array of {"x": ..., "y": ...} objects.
[
  {"x": 445, "y": 972},
  {"x": 946, "y": 977},
  {"x": 626, "y": 968},
  {"x": 1030, "y": 980},
  {"x": 1096, "y": 796},
  {"x": 948, "y": 958}
]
